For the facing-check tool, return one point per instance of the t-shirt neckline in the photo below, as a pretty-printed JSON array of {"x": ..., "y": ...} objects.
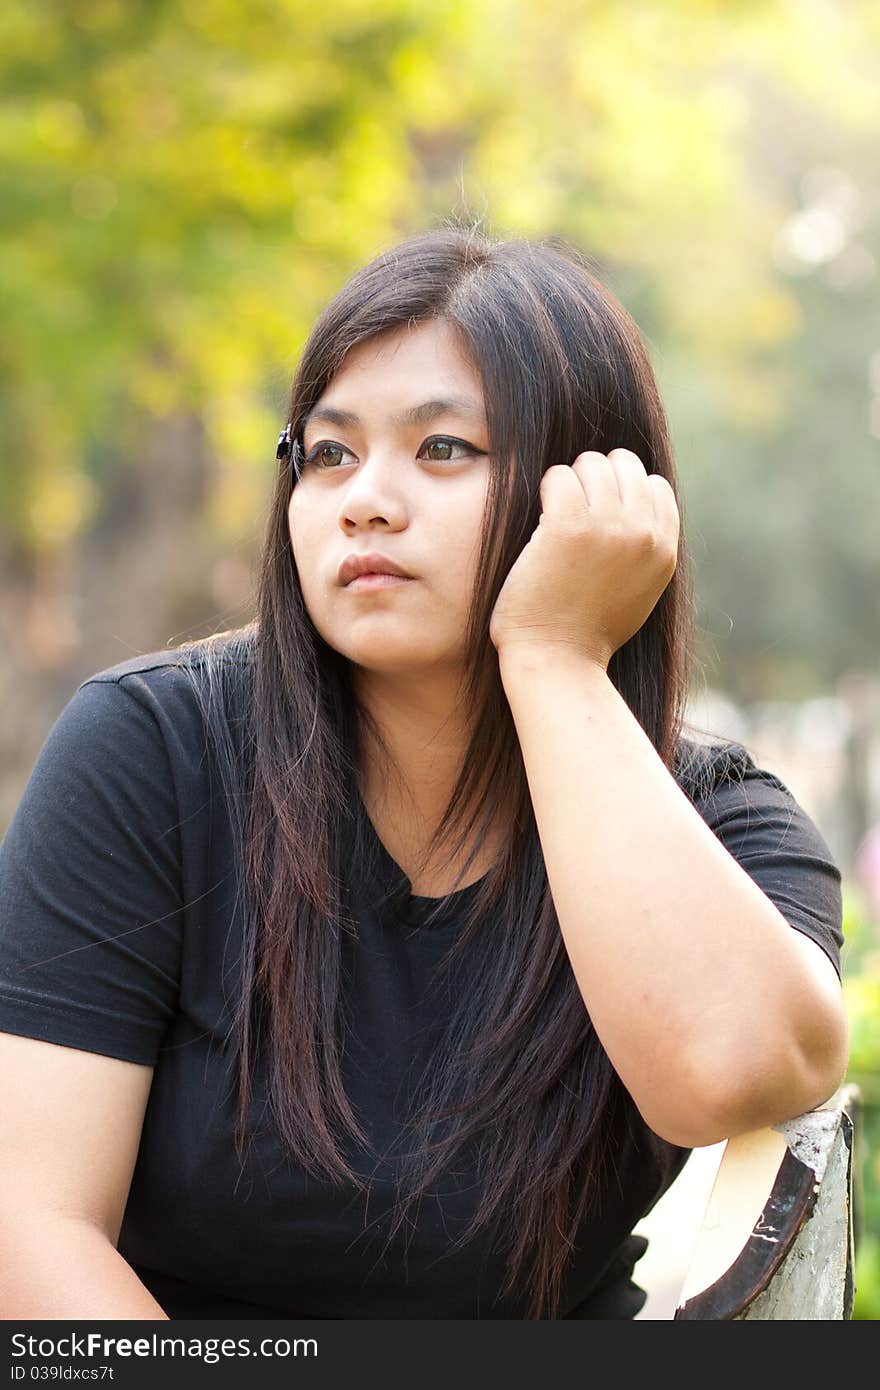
[{"x": 413, "y": 905}]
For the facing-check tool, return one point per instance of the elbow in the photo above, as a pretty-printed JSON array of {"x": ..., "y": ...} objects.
[
  {"x": 688, "y": 1127},
  {"x": 749, "y": 1090},
  {"x": 741, "y": 1089},
  {"x": 684, "y": 1111}
]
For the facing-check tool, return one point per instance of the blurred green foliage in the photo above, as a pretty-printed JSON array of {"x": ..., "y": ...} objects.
[
  {"x": 861, "y": 983},
  {"x": 186, "y": 182}
]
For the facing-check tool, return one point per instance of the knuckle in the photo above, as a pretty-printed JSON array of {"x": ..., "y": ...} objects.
[
  {"x": 662, "y": 484},
  {"x": 626, "y": 454},
  {"x": 646, "y": 540},
  {"x": 670, "y": 555}
]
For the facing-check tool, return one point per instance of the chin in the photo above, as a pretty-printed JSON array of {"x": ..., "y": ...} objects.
[
  {"x": 399, "y": 652},
  {"x": 390, "y": 659}
]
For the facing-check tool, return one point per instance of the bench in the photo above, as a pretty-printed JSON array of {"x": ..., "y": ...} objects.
[{"x": 777, "y": 1238}]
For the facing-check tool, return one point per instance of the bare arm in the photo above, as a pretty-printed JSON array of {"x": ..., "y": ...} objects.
[
  {"x": 717, "y": 1015},
  {"x": 69, "y": 1140},
  {"x": 57, "y": 1267}
]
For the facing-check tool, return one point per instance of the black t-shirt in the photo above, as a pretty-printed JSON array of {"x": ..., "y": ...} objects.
[{"x": 119, "y": 934}]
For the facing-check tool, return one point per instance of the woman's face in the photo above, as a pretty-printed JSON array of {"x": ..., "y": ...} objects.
[{"x": 413, "y": 491}]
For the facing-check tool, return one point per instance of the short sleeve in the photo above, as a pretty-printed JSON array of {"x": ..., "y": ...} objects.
[
  {"x": 90, "y": 884},
  {"x": 760, "y": 823}
]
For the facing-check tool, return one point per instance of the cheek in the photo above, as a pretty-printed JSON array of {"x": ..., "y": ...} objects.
[
  {"x": 303, "y": 552},
  {"x": 298, "y": 529},
  {"x": 291, "y": 519},
  {"x": 467, "y": 548}
]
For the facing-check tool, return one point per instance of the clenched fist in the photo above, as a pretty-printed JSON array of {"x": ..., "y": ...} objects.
[{"x": 604, "y": 549}]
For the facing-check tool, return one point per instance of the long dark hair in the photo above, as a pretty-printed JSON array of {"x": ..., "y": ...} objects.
[{"x": 520, "y": 1077}]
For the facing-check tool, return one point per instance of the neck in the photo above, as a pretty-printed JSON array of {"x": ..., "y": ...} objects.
[{"x": 426, "y": 731}]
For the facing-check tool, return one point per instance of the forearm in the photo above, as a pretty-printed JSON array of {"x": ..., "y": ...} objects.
[
  {"x": 57, "y": 1268},
  {"x": 690, "y": 974}
]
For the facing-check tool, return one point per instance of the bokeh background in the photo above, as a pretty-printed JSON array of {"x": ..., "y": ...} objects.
[{"x": 184, "y": 185}]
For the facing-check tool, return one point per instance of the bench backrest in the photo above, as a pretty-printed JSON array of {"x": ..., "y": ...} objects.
[{"x": 777, "y": 1238}]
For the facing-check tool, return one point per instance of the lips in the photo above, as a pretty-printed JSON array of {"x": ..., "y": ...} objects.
[{"x": 353, "y": 566}]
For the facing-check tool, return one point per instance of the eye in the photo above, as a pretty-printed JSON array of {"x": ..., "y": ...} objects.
[
  {"x": 318, "y": 455},
  {"x": 444, "y": 442}
]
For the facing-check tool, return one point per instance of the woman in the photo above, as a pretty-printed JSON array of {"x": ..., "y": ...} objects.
[{"x": 386, "y": 957}]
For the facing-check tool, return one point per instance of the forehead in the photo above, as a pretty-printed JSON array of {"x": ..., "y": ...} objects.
[
  {"x": 408, "y": 376},
  {"x": 419, "y": 414}
]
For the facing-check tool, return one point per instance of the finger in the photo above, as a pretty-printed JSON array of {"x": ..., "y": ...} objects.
[
  {"x": 666, "y": 513},
  {"x": 632, "y": 481},
  {"x": 598, "y": 479},
  {"x": 562, "y": 496}
]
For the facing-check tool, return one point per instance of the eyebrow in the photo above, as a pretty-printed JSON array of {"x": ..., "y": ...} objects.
[{"x": 415, "y": 415}]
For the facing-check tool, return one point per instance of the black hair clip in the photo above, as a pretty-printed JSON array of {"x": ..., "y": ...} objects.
[{"x": 282, "y": 450}]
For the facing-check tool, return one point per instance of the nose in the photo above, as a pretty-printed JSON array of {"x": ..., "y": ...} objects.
[{"x": 374, "y": 493}]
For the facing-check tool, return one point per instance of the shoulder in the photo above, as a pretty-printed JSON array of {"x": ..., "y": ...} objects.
[
  {"x": 754, "y": 813},
  {"x": 730, "y": 789},
  {"x": 723, "y": 776},
  {"x": 764, "y": 827},
  {"x": 178, "y": 687},
  {"x": 702, "y": 769},
  {"x": 135, "y": 721},
  {"x": 174, "y": 669}
]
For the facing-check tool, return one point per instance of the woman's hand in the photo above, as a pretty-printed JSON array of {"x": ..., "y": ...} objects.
[{"x": 604, "y": 549}]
